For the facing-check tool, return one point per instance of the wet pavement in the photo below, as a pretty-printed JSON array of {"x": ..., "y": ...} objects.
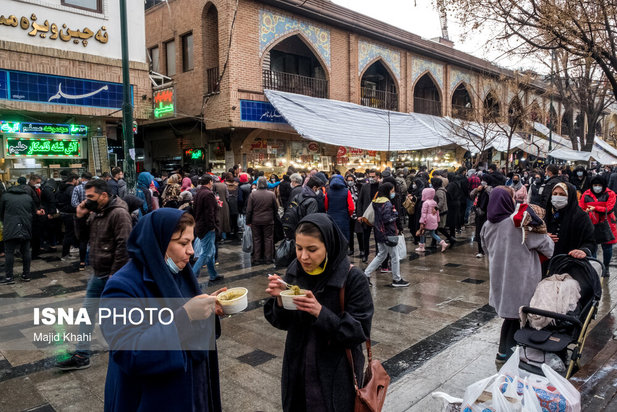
[{"x": 438, "y": 334}]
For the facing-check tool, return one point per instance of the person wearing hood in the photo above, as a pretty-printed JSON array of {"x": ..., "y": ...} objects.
[
  {"x": 187, "y": 184},
  {"x": 105, "y": 220},
  {"x": 142, "y": 191},
  {"x": 316, "y": 373},
  {"x": 520, "y": 191},
  {"x": 567, "y": 224},
  {"x": 17, "y": 210},
  {"x": 339, "y": 204},
  {"x": 514, "y": 264},
  {"x": 580, "y": 180},
  {"x": 429, "y": 220},
  {"x": 473, "y": 181},
  {"x": 385, "y": 230},
  {"x": 599, "y": 203},
  {"x": 441, "y": 197},
  {"x": 182, "y": 374}
]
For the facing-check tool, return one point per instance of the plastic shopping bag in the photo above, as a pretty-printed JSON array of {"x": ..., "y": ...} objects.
[
  {"x": 285, "y": 253},
  {"x": 401, "y": 247},
  {"x": 241, "y": 221},
  {"x": 247, "y": 240},
  {"x": 196, "y": 247}
]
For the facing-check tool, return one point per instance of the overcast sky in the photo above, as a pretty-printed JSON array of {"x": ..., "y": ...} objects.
[{"x": 422, "y": 19}]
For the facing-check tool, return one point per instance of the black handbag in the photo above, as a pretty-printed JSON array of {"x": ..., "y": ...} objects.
[
  {"x": 391, "y": 241},
  {"x": 602, "y": 231}
]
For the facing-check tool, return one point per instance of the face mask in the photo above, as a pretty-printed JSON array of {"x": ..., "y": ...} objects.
[
  {"x": 597, "y": 189},
  {"x": 91, "y": 205},
  {"x": 273, "y": 180},
  {"x": 320, "y": 269},
  {"x": 538, "y": 180},
  {"x": 559, "y": 202},
  {"x": 351, "y": 183},
  {"x": 172, "y": 266},
  {"x": 38, "y": 185},
  {"x": 546, "y": 177},
  {"x": 414, "y": 187},
  {"x": 317, "y": 191},
  {"x": 579, "y": 173},
  {"x": 484, "y": 184},
  {"x": 430, "y": 185},
  {"x": 515, "y": 182},
  {"x": 392, "y": 195}
]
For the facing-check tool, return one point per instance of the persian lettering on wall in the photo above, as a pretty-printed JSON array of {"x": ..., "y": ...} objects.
[{"x": 53, "y": 31}]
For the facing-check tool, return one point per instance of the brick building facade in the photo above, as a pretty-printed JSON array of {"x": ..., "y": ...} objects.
[{"x": 320, "y": 49}]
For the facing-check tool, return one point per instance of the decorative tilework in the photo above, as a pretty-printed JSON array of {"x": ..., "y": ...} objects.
[
  {"x": 45, "y": 88},
  {"x": 457, "y": 76},
  {"x": 273, "y": 26},
  {"x": 368, "y": 52},
  {"x": 258, "y": 111},
  {"x": 419, "y": 66},
  {"x": 487, "y": 86}
]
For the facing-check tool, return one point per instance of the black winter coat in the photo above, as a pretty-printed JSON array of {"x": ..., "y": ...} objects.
[
  {"x": 63, "y": 198},
  {"x": 321, "y": 342},
  {"x": 17, "y": 209}
]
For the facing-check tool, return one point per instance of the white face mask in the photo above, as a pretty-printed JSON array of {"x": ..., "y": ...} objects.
[
  {"x": 38, "y": 185},
  {"x": 559, "y": 202},
  {"x": 597, "y": 189},
  {"x": 579, "y": 173}
]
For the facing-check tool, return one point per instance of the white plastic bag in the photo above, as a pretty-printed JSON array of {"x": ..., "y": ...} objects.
[
  {"x": 197, "y": 247},
  {"x": 247, "y": 240},
  {"x": 401, "y": 246},
  {"x": 241, "y": 221}
]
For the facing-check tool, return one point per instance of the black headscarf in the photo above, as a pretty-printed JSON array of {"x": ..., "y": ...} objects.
[
  {"x": 570, "y": 223},
  {"x": 336, "y": 243},
  {"x": 598, "y": 180},
  {"x": 147, "y": 245}
]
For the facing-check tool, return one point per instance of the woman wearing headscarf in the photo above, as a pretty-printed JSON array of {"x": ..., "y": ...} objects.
[
  {"x": 355, "y": 227},
  {"x": 171, "y": 193},
  {"x": 187, "y": 184},
  {"x": 514, "y": 264},
  {"x": 415, "y": 191},
  {"x": 520, "y": 191},
  {"x": 139, "y": 379},
  {"x": 567, "y": 224},
  {"x": 142, "y": 191},
  {"x": 599, "y": 202},
  {"x": 480, "y": 196},
  {"x": 221, "y": 191},
  {"x": 316, "y": 374},
  {"x": 233, "y": 189}
]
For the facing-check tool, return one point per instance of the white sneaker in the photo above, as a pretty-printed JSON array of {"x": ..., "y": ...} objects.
[
  {"x": 74, "y": 251},
  {"x": 480, "y": 255}
]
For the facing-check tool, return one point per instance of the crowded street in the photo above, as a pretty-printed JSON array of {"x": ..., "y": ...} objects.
[{"x": 437, "y": 335}]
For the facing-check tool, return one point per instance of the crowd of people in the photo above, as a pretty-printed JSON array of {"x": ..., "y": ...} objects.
[{"x": 326, "y": 217}]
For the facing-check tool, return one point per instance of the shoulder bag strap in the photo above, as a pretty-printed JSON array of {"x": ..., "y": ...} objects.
[{"x": 347, "y": 350}]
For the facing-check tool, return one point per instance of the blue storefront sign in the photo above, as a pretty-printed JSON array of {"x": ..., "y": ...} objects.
[
  {"x": 45, "y": 88},
  {"x": 4, "y": 84},
  {"x": 257, "y": 111}
]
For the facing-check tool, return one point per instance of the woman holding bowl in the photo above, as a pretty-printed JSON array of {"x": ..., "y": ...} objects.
[
  {"x": 316, "y": 373},
  {"x": 155, "y": 366}
]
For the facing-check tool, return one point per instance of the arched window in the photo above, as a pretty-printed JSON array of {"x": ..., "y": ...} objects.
[
  {"x": 462, "y": 104},
  {"x": 210, "y": 46},
  {"x": 291, "y": 66},
  {"x": 426, "y": 97},
  {"x": 516, "y": 114},
  {"x": 492, "y": 109},
  {"x": 378, "y": 89}
]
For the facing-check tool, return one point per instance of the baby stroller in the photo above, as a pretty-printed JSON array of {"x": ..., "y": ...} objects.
[{"x": 566, "y": 337}]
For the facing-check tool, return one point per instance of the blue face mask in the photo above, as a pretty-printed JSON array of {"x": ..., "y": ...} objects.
[
  {"x": 172, "y": 266},
  {"x": 392, "y": 195}
]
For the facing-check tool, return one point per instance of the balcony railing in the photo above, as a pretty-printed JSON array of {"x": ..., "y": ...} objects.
[
  {"x": 379, "y": 99},
  {"x": 295, "y": 83},
  {"x": 212, "y": 79},
  {"x": 427, "y": 106}
]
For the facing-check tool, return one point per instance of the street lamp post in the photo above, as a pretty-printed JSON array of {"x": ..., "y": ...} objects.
[
  {"x": 127, "y": 107},
  {"x": 550, "y": 115}
]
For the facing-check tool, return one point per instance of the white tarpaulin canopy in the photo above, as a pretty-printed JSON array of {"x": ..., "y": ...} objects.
[
  {"x": 348, "y": 124},
  {"x": 572, "y": 155}
]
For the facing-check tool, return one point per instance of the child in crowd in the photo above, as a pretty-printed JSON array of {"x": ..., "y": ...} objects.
[{"x": 429, "y": 220}]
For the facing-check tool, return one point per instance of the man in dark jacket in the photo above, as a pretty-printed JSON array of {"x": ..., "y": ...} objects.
[
  {"x": 34, "y": 186},
  {"x": 206, "y": 225},
  {"x": 105, "y": 219},
  {"x": 296, "y": 187},
  {"x": 285, "y": 189},
  {"x": 67, "y": 214},
  {"x": 260, "y": 216},
  {"x": 17, "y": 209},
  {"x": 552, "y": 178},
  {"x": 367, "y": 192},
  {"x": 499, "y": 178}
]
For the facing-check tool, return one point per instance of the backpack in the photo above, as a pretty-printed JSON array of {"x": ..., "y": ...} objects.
[{"x": 293, "y": 214}]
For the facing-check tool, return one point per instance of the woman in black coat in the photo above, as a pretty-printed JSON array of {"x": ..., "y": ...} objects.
[
  {"x": 415, "y": 190},
  {"x": 316, "y": 374},
  {"x": 567, "y": 224}
]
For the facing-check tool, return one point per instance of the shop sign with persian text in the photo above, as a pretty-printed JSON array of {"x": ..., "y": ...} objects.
[{"x": 46, "y": 148}]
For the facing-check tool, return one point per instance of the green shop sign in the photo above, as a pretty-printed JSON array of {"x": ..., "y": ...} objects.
[
  {"x": 42, "y": 128},
  {"x": 51, "y": 148}
]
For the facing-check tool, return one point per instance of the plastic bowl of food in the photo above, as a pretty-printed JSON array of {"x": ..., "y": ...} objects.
[
  {"x": 233, "y": 300},
  {"x": 287, "y": 296}
]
